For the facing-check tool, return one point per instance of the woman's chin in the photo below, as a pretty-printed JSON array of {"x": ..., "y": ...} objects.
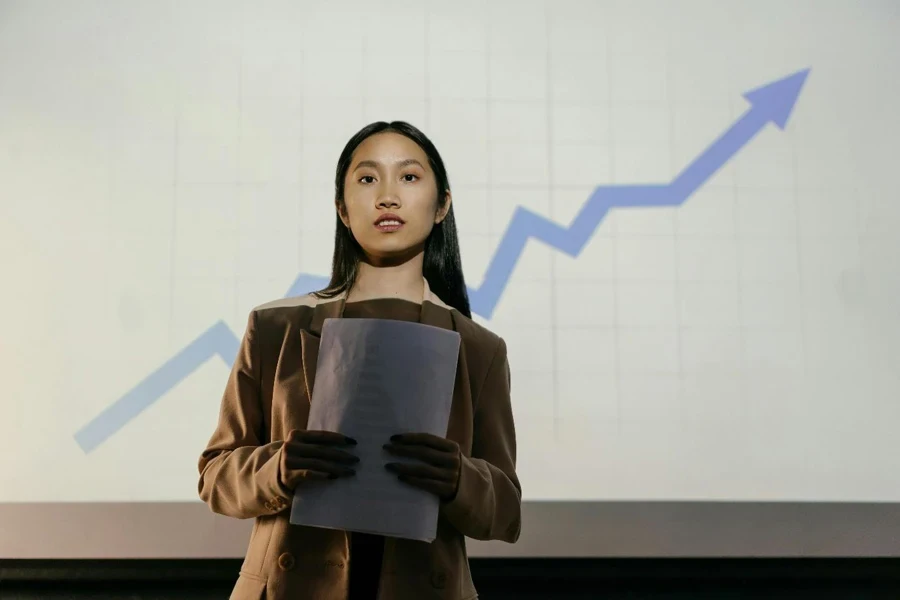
[{"x": 391, "y": 255}]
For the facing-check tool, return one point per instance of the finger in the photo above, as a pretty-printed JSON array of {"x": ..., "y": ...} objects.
[
  {"x": 424, "y": 439},
  {"x": 293, "y": 478},
  {"x": 421, "y": 471},
  {"x": 430, "y": 455},
  {"x": 313, "y": 464},
  {"x": 325, "y": 452},
  {"x": 298, "y": 474},
  {"x": 307, "y": 464},
  {"x": 323, "y": 437},
  {"x": 438, "y": 488}
]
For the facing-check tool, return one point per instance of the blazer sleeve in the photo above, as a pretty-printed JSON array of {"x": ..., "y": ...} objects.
[
  {"x": 487, "y": 505},
  {"x": 238, "y": 471}
]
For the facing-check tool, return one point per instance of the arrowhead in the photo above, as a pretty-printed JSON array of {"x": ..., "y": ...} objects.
[{"x": 776, "y": 100}]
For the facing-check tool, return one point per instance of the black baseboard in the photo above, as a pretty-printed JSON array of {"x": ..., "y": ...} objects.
[{"x": 523, "y": 579}]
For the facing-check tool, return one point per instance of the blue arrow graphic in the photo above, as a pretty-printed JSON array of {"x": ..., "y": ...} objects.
[
  {"x": 217, "y": 340},
  {"x": 772, "y": 102}
]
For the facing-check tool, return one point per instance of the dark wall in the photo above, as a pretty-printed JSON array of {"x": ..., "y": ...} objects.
[{"x": 520, "y": 579}]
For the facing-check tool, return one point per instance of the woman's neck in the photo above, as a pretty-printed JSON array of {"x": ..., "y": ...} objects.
[{"x": 402, "y": 282}]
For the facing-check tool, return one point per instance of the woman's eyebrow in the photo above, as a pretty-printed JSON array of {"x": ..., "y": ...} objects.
[
  {"x": 409, "y": 161},
  {"x": 374, "y": 164}
]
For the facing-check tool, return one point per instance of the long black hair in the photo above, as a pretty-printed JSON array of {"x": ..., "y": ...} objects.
[{"x": 442, "y": 266}]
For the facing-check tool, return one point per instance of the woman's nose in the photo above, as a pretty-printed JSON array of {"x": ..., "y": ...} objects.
[{"x": 388, "y": 200}]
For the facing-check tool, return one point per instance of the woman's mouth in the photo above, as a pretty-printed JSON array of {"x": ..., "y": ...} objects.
[{"x": 388, "y": 223}]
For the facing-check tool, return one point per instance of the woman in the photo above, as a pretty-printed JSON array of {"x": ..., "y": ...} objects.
[{"x": 396, "y": 256}]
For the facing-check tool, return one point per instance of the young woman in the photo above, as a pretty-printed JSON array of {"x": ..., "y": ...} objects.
[{"x": 396, "y": 256}]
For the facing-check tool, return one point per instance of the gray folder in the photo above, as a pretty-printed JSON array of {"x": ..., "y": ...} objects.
[{"x": 376, "y": 378}]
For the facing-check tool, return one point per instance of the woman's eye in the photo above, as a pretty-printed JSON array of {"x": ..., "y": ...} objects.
[
  {"x": 410, "y": 177},
  {"x": 366, "y": 179}
]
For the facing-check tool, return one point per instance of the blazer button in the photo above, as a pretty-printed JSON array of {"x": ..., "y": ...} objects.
[
  {"x": 286, "y": 561},
  {"x": 439, "y": 580}
]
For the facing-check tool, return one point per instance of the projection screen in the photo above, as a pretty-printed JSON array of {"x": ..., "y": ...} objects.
[{"x": 681, "y": 216}]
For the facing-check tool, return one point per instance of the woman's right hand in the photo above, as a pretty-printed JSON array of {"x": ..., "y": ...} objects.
[{"x": 314, "y": 455}]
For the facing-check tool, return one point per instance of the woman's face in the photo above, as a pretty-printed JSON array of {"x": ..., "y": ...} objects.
[{"x": 390, "y": 195}]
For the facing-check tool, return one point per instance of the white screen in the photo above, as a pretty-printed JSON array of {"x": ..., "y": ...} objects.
[{"x": 681, "y": 216}]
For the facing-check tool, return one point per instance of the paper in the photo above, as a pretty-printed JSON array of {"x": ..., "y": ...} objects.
[{"x": 376, "y": 378}]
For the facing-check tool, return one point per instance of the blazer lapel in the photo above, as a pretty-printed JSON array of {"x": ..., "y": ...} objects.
[
  {"x": 310, "y": 348},
  {"x": 310, "y": 340}
]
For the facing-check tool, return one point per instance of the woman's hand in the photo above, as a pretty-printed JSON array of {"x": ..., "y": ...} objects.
[
  {"x": 314, "y": 455},
  {"x": 439, "y": 474}
]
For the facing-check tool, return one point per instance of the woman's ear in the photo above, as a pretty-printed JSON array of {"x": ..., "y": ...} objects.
[
  {"x": 342, "y": 213},
  {"x": 442, "y": 211}
]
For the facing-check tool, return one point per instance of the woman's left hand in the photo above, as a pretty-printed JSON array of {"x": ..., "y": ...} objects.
[{"x": 439, "y": 474}]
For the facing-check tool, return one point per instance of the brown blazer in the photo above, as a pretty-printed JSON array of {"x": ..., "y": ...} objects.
[{"x": 268, "y": 394}]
